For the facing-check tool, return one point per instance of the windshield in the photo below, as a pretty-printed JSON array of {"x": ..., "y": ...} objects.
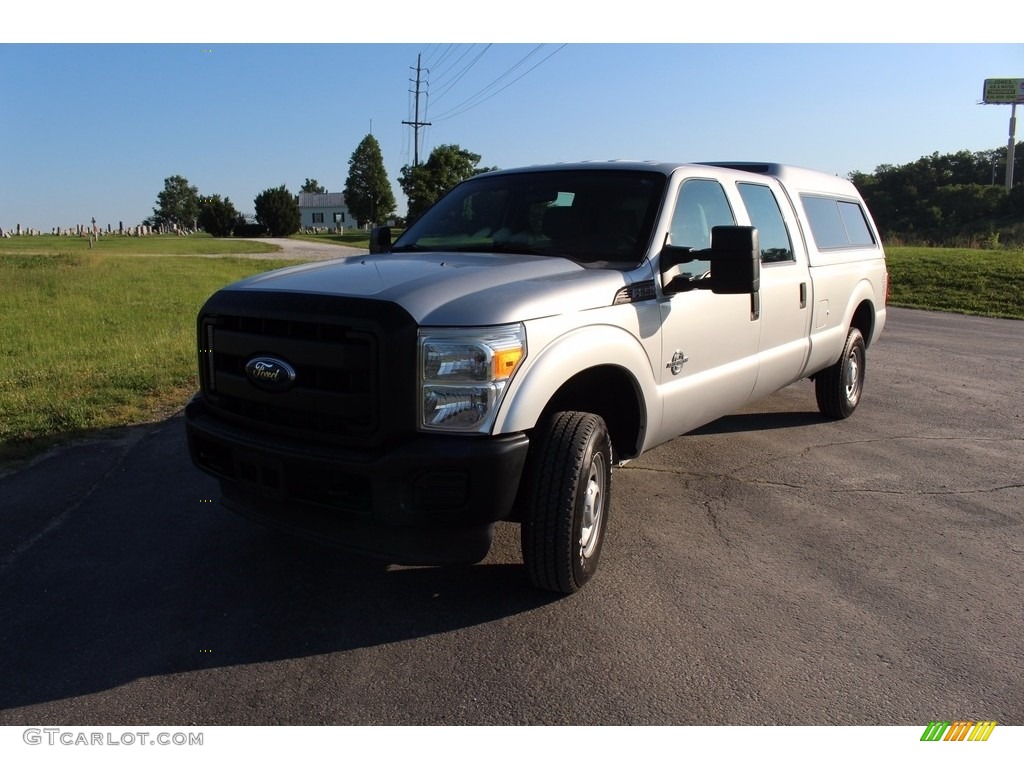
[{"x": 590, "y": 216}]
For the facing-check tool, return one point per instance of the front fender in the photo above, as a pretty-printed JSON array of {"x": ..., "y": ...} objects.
[{"x": 555, "y": 356}]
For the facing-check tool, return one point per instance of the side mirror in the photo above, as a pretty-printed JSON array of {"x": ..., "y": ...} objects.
[
  {"x": 672, "y": 256},
  {"x": 380, "y": 239},
  {"x": 735, "y": 257}
]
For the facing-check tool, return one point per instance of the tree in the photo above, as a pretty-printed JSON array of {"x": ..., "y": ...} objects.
[
  {"x": 950, "y": 199},
  {"x": 218, "y": 217},
  {"x": 177, "y": 205},
  {"x": 277, "y": 210},
  {"x": 368, "y": 192},
  {"x": 312, "y": 185},
  {"x": 447, "y": 165},
  {"x": 964, "y": 204}
]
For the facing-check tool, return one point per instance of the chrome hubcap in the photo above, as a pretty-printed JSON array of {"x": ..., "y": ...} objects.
[
  {"x": 593, "y": 507},
  {"x": 852, "y": 377}
]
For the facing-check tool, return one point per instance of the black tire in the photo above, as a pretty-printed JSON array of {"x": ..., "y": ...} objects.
[
  {"x": 563, "y": 528},
  {"x": 839, "y": 388}
]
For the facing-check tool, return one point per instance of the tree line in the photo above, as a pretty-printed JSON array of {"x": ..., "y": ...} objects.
[
  {"x": 956, "y": 199},
  {"x": 367, "y": 193},
  {"x": 951, "y": 199}
]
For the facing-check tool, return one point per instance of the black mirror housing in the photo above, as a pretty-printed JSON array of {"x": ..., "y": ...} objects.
[
  {"x": 735, "y": 257},
  {"x": 674, "y": 255},
  {"x": 380, "y": 239}
]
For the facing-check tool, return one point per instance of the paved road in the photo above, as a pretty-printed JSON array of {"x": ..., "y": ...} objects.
[{"x": 770, "y": 569}]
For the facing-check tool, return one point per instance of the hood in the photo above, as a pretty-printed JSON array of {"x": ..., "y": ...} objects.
[{"x": 454, "y": 288}]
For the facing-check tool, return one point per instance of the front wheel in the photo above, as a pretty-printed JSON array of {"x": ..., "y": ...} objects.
[
  {"x": 564, "y": 527},
  {"x": 838, "y": 388}
]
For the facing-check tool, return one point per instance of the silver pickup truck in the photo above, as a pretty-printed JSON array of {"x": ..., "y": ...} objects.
[{"x": 533, "y": 329}]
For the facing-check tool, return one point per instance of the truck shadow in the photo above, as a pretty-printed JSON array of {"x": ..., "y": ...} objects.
[
  {"x": 143, "y": 577},
  {"x": 756, "y": 422}
]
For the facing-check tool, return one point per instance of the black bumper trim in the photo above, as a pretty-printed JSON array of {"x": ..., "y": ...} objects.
[{"x": 429, "y": 500}]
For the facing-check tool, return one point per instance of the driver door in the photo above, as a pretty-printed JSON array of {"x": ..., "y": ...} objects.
[{"x": 709, "y": 341}]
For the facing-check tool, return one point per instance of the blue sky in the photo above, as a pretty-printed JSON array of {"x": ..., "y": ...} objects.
[{"x": 92, "y": 129}]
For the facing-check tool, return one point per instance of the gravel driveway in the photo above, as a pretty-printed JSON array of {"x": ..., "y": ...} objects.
[{"x": 303, "y": 250}]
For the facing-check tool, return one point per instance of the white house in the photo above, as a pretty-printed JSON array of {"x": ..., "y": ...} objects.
[{"x": 325, "y": 210}]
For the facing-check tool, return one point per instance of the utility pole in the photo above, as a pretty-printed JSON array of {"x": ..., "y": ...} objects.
[
  {"x": 416, "y": 123},
  {"x": 1006, "y": 91},
  {"x": 1011, "y": 145}
]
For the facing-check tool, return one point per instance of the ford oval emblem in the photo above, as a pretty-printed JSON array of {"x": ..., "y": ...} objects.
[{"x": 270, "y": 373}]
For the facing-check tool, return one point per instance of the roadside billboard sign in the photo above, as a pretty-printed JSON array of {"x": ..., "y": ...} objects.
[{"x": 1003, "y": 90}]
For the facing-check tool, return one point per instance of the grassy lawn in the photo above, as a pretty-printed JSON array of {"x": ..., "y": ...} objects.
[
  {"x": 356, "y": 239},
  {"x": 975, "y": 282},
  {"x": 92, "y": 340},
  {"x": 44, "y": 245}
]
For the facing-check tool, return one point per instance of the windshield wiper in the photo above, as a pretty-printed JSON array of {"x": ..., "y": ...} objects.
[
  {"x": 523, "y": 248},
  {"x": 496, "y": 247},
  {"x": 503, "y": 247}
]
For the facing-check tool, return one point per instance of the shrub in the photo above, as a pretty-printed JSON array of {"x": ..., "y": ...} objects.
[{"x": 278, "y": 211}]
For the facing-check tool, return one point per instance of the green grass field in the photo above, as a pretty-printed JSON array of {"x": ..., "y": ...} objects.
[
  {"x": 91, "y": 340},
  {"x": 155, "y": 245},
  {"x": 975, "y": 282},
  {"x": 104, "y": 337},
  {"x": 355, "y": 239}
]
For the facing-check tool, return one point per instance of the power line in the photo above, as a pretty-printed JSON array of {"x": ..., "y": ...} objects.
[
  {"x": 421, "y": 98},
  {"x": 430, "y": 50},
  {"x": 440, "y": 76},
  {"x": 496, "y": 80},
  {"x": 444, "y": 55},
  {"x": 453, "y": 113},
  {"x": 462, "y": 73}
]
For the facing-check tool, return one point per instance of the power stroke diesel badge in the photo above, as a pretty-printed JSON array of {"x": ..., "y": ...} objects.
[{"x": 270, "y": 373}]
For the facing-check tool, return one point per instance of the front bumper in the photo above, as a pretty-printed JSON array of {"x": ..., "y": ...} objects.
[{"x": 430, "y": 500}]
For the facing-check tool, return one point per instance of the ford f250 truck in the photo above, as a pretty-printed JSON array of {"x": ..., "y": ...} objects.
[{"x": 533, "y": 329}]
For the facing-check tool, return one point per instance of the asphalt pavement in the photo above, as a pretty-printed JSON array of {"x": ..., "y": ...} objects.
[{"x": 771, "y": 568}]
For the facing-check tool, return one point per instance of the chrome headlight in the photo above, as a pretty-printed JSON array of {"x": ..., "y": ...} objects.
[{"x": 463, "y": 374}]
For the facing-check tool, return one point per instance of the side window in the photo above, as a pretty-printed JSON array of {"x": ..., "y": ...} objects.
[
  {"x": 856, "y": 226},
  {"x": 766, "y": 215},
  {"x": 837, "y": 223},
  {"x": 701, "y": 205}
]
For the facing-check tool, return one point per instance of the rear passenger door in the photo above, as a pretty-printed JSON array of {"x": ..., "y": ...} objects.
[{"x": 785, "y": 286}]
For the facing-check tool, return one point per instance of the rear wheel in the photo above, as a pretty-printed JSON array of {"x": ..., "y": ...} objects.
[
  {"x": 563, "y": 528},
  {"x": 838, "y": 389}
]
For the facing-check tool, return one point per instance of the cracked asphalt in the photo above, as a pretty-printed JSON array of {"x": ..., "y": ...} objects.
[{"x": 771, "y": 568}]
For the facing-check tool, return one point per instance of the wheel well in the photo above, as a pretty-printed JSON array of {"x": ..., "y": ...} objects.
[
  {"x": 864, "y": 320},
  {"x": 611, "y": 393}
]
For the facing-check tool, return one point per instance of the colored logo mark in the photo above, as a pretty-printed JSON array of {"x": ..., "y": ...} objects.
[{"x": 958, "y": 730}]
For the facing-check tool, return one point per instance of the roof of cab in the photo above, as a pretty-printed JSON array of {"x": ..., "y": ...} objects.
[
  {"x": 799, "y": 178},
  {"x": 803, "y": 179}
]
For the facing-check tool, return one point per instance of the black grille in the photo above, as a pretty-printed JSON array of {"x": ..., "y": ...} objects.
[{"x": 354, "y": 363}]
